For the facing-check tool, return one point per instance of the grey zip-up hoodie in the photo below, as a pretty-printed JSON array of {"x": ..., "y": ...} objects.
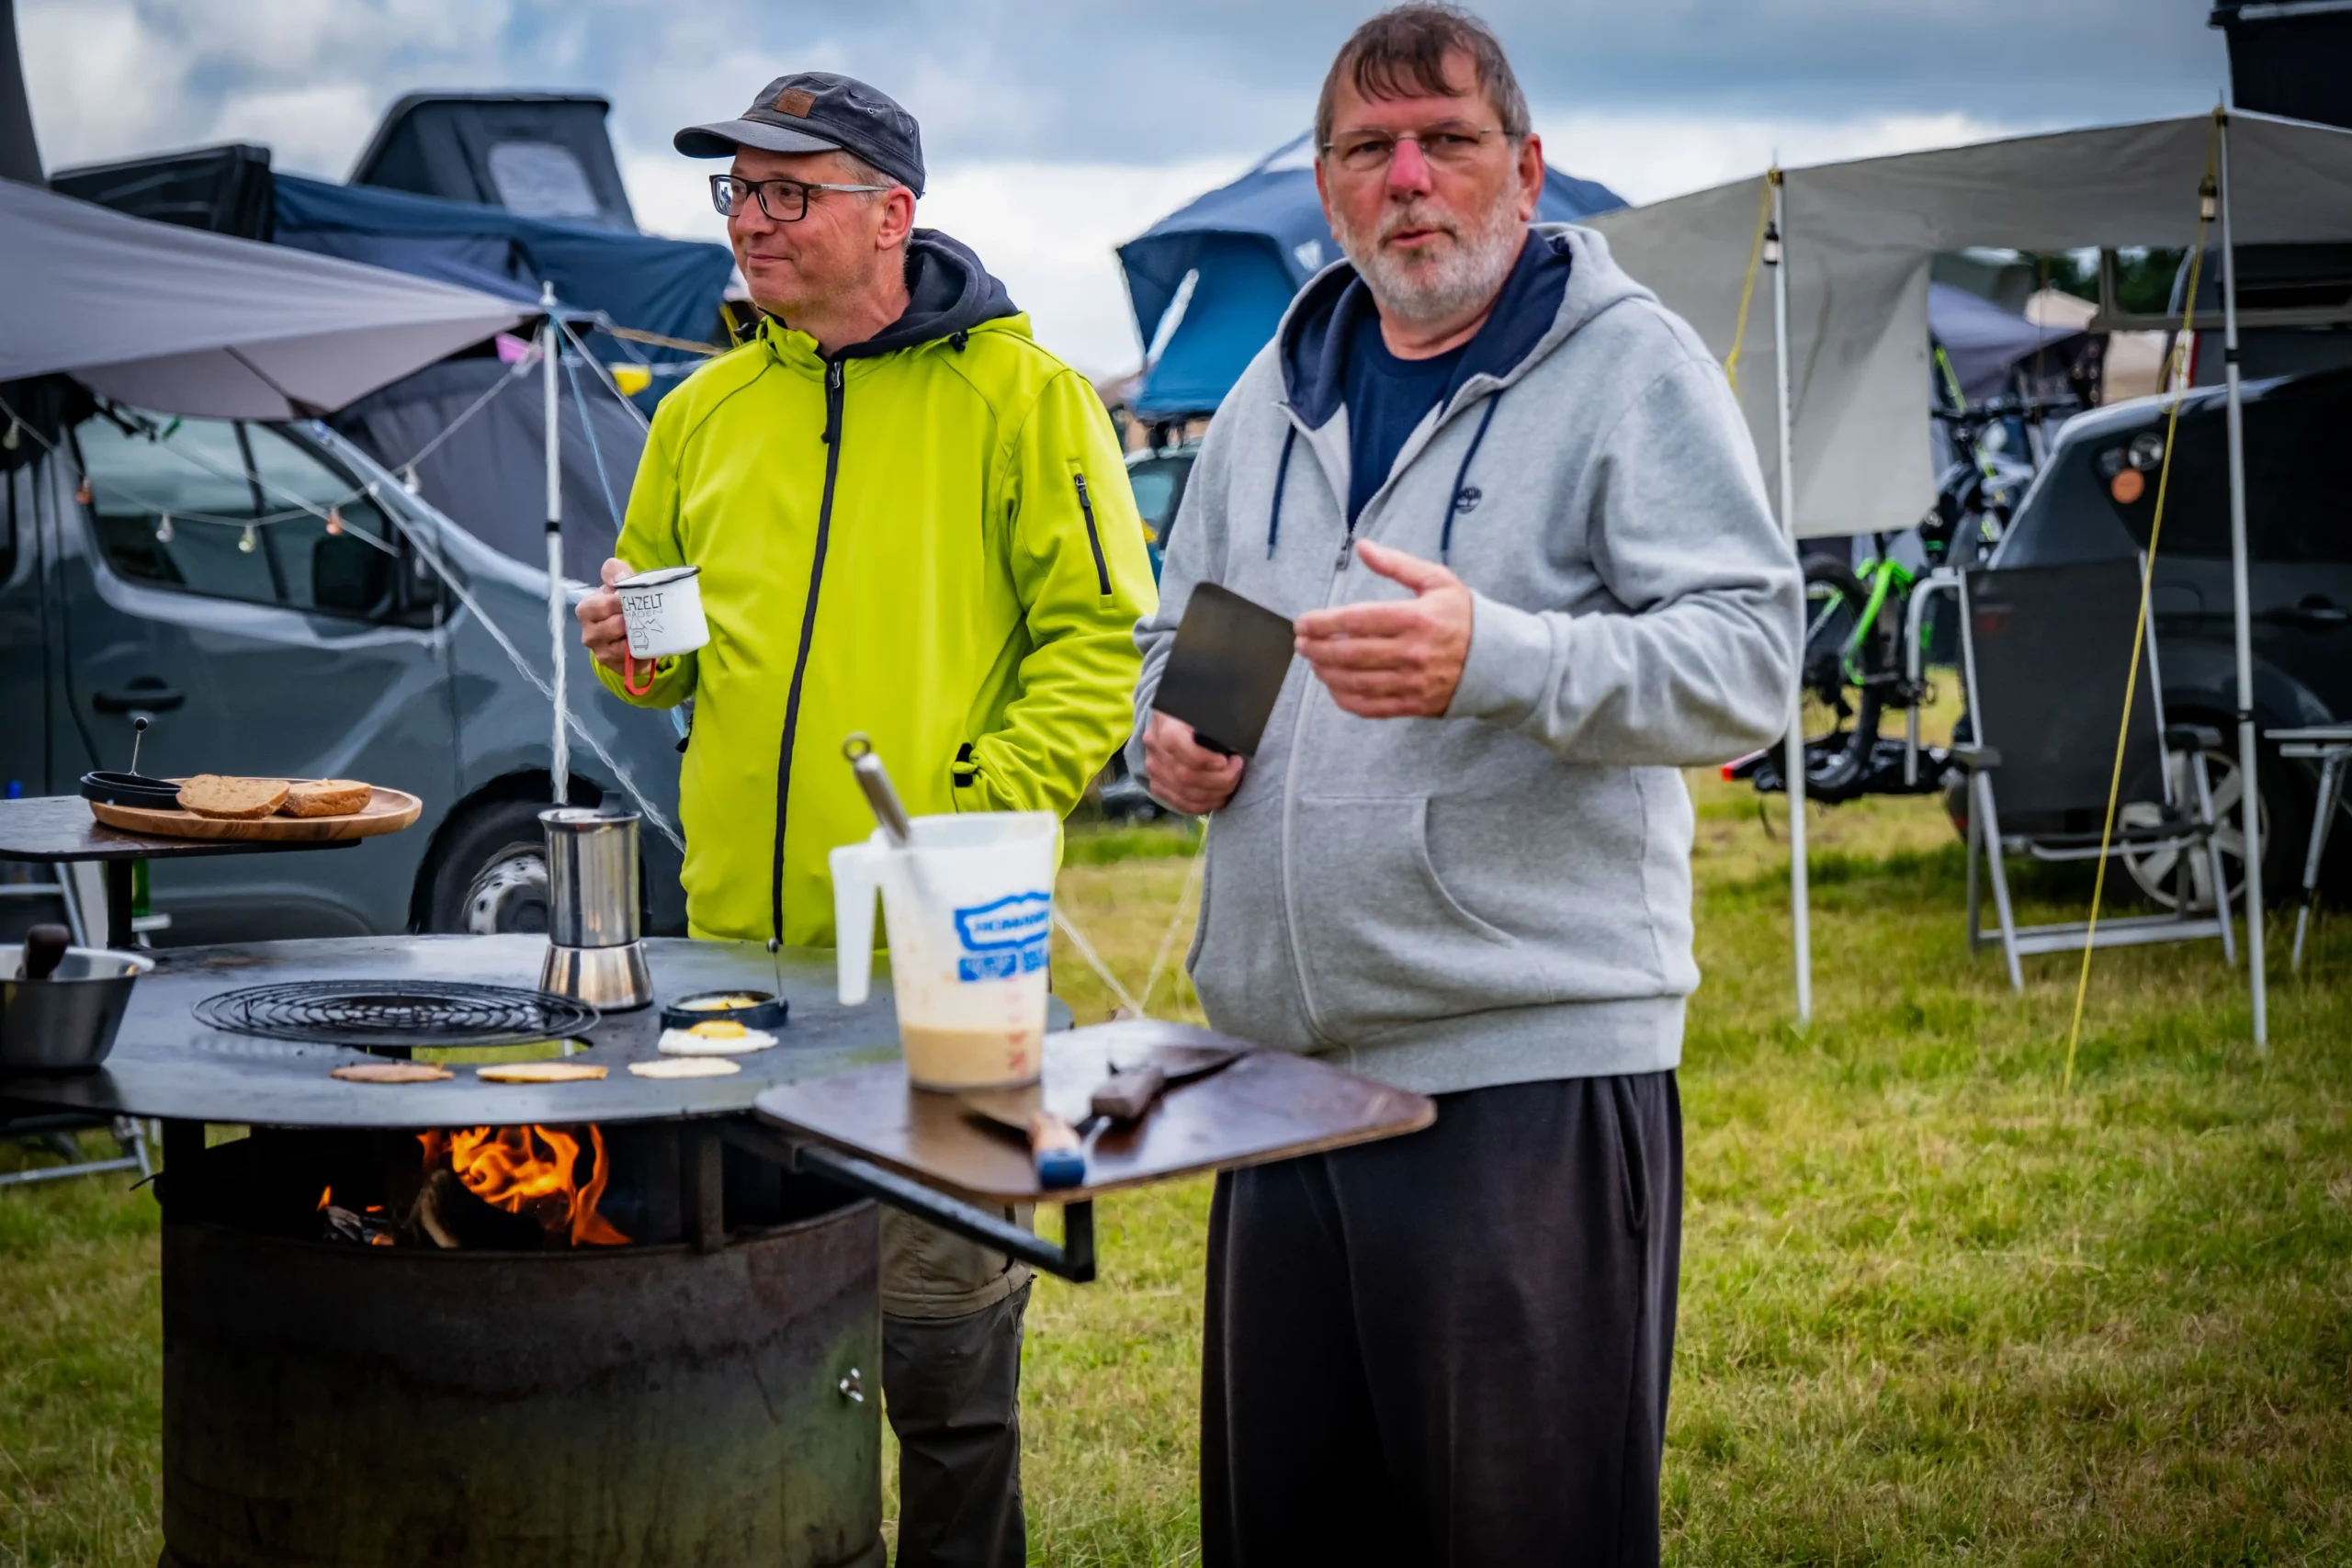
[{"x": 1502, "y": 895}]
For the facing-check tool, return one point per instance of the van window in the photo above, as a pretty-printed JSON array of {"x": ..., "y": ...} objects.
[
  {"x": 2298, "y": 506},
  {"x": 233, "y": 511}
]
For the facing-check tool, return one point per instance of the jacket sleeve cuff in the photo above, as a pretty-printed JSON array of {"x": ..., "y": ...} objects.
[{"x": 1509, "y": 666}]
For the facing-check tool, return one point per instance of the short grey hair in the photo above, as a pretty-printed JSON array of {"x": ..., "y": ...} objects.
[{"x": 1402, "y": 54}]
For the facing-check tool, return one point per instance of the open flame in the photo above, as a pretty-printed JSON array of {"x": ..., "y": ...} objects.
[{"x": 532, "y": 1171}]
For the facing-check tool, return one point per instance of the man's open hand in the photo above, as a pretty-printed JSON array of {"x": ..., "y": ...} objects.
[
  {"x": 602, "y": 630},
  {"x": 1182, "y": 773},
  {"x": 1395, "y": 658}
]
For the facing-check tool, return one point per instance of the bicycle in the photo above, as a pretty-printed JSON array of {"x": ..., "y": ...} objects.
[{"x": 1855, "y": 661}]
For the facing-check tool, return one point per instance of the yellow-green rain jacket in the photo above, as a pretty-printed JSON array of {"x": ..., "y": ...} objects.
[{"x": 928, "y": 538}]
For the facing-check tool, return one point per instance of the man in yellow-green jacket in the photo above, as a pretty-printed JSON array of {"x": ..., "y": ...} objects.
[{"x": 912, "y": 521}]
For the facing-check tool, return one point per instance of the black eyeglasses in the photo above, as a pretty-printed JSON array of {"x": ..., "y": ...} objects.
[{"x": 785, "y": 201}]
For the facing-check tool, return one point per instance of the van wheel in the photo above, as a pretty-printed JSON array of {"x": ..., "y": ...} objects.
[{"x": 491, "y": 876}]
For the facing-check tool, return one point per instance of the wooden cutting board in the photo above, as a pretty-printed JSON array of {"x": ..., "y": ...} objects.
[{"x": 387, "y": 812}]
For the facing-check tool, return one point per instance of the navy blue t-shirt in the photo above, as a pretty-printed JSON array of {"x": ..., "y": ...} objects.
[{"x": 1387, "y": 398}]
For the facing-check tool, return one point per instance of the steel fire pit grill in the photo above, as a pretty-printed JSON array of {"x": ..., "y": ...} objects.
[
  {"x": 699, "y": 1390},
  {"x": 369, "y": 1015}
]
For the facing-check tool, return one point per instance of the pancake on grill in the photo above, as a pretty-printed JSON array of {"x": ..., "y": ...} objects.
[
  {"x": 686, "y": 1067},
  {"x": 539, "y": 1071},
  {"x": 390, "y": 1072}
]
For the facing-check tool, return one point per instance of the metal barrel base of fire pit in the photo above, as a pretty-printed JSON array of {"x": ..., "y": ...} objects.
[{"x": 628, "y": 1406}]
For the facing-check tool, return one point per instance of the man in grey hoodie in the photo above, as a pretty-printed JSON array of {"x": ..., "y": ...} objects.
[{"x": 1512, "y": 507}]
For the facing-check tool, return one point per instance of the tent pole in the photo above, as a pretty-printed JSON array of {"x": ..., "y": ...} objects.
[
  {"x": 550, "y": 341},
  {"x": 2250, "y": 799},
  {"x": 1793, "y": 766}
]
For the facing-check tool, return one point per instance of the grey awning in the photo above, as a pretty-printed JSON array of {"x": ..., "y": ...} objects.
[{"x": 187, "y": 323}]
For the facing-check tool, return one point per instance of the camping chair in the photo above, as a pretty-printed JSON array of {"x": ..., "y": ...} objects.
[{"x": 2045, "y": 652}]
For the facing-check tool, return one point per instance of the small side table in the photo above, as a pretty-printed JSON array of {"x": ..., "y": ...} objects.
[
  {"x": 2331, "y": 746},
  {"x": 52, "y": 829}
]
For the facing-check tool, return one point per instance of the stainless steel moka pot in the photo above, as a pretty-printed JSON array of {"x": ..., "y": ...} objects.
[{"x": 593, "y": 951}]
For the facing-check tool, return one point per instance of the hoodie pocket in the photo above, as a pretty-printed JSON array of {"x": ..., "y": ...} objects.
[{"x": 1383, "y": 941}]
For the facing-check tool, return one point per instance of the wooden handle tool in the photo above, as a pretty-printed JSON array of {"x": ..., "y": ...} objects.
[
  {"x": 1056, "y": 1150},
  {"x": 45, "y": 948}
]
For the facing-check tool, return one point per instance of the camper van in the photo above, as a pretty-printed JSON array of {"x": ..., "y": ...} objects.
[{"x": 272, "y": 602}]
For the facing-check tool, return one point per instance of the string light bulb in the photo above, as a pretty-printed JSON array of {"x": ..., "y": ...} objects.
[
  {"x": 2207, "y": 200},
  {"x": 15, "y": 433},
  {"x": 82, "y": 492},
  {"x": 408, "y": 478},
  {"x": 163, "y": 529},
  {"x": 1771, "y": 244},
  {"x": 335, "y": 521},
  {"x": 248, "y": 540}
]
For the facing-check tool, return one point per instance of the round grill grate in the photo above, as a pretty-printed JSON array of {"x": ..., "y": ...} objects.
[{"x": 374, "y": 1015}]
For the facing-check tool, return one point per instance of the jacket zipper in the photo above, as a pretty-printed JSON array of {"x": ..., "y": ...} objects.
[
  {"x": 834, "y": 404},
  {"x": 1093, "y": 539}
]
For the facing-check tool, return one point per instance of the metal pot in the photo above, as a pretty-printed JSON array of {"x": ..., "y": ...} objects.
[
  {"x": 594, "y": 953},
  {"x": 67, "y": 1022}
]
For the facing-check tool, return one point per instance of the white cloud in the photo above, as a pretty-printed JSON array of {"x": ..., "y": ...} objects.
[
  {"x": 101, "y": 81},
  {"x": 317, "y": 129}
]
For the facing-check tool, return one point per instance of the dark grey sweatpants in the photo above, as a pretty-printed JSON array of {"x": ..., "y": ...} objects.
[{"x": 1450, "y": 1348}]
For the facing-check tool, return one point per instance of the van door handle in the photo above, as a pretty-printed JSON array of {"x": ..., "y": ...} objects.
[
  {"x": 145, "y": 694},
  {"x": 2314, "y": 614}
]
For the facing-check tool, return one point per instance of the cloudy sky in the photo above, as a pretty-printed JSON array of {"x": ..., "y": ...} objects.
[{"x": 1056, "y": 128}]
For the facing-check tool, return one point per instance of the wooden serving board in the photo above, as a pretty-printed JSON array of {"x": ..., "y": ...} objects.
[{"x": 387, "y": 812}]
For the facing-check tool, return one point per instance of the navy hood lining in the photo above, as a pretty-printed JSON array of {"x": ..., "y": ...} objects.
[{"x": 1315, "y": 340}]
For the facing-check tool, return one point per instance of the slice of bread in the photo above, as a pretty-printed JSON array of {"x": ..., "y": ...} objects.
[
  {"x": 327, "y": 797},
  {"x": 221, "y": 795}
]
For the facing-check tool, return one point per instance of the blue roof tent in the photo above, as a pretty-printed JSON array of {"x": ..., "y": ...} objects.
[
  {"x": 1210, "y": 281},
  {"x": 670, "y": 286}
]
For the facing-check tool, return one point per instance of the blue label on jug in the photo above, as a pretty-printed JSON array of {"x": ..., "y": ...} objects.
[
  {"x": 1004, "y": 938},
  {"x": 1006, "y": 924}
]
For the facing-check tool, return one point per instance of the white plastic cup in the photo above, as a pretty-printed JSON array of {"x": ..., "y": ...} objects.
[
  {"x": 970, "y": 903},
  {"x": 662, "y": 610}
]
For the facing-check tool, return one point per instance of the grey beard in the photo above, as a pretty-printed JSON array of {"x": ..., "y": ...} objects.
[{"x": 1438, "y": 289}]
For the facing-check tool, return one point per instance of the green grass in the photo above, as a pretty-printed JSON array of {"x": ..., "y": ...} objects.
[{"x": 1931, "y": 1312}]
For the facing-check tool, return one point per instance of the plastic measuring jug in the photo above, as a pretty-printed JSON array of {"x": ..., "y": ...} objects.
[{"x": 969, "y": 906}]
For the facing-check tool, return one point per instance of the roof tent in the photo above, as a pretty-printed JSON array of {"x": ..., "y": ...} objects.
[
  {"x": 1209, "y": 282},
  {"x": 2287, "y": 57},
  {"x": 540, "y": 154},
  {"x": 669, "y": 287}
]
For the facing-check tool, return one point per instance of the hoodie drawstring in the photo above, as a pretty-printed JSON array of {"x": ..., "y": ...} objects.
[
  {"x": 1463, "y": 497},
  {"x": 1282, "y": 474}
]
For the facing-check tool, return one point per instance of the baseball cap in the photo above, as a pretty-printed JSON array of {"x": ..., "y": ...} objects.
[{"x": 817, "y": 111}]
